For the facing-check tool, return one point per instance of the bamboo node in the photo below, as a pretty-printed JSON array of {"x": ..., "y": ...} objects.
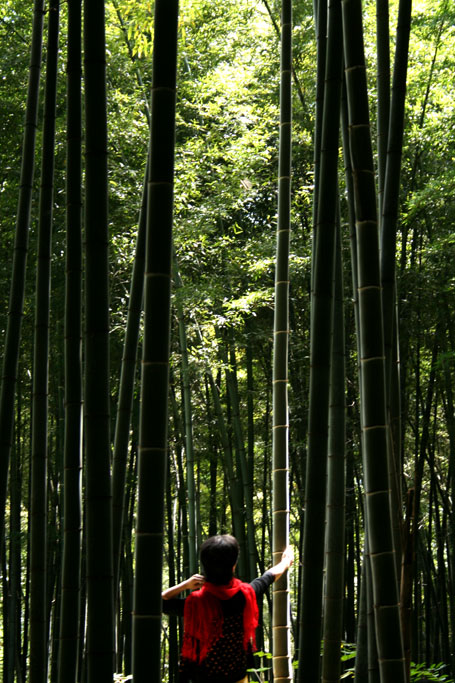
[{"x": 367, "y": 287}]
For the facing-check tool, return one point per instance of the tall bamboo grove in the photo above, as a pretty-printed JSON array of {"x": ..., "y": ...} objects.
[
  {"x": 282, "y": 670},
  {"x": 155, "y": 359}
]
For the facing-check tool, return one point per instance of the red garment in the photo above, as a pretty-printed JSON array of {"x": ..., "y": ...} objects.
[{"x": 203, "y": 618}]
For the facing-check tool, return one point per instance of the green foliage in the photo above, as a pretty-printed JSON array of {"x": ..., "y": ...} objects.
[
  {"x": 225, "y": 219},
  {"x": 419, "y": 673},
  {"x": 261, "y": 672},
  {"x": 429, "y": 672}
]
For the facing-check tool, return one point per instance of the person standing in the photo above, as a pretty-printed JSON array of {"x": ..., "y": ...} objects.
[{"x": 220, "y": 616}]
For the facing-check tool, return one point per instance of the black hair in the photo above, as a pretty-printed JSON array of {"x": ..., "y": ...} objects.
[{"x": 219, "y": 556}]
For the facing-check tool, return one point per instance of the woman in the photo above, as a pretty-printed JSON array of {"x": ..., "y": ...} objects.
[{"x": 219, "y": 619}]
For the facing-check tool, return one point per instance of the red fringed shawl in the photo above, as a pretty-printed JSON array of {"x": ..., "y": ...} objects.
[{"x": 203, "y": 618}]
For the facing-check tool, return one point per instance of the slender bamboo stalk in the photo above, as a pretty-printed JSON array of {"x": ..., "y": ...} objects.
[
  {"x": 72, "y": 503},
  {"x": 12, "y": 624},
  {"x": 232, "y": 386},
  {"x": 389, "y": 217},
  {"x": 39, "y": 626},
  {"x": 392, "y": 179},
  {"x": 383, "y": 87},
  {"x": 100, "y": 608},
  {"x": 126, "y": 388},
  {"x": 320, "y": 11},
  {"x": 282, "y": 670},
  {"x": 335, "y": 546},
  {"x": 17, "y": 290},
  {"x": 187, "y": 411},
  {"x": 231, "y": 475}
]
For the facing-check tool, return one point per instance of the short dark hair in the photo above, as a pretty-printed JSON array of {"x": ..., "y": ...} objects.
[{"x": 219, "y": 555}]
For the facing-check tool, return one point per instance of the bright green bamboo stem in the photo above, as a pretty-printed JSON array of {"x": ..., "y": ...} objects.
[
  {"x": 373, "y": 414},
  {"x": 39, "y": 626},
  {"x": 155, "y": 358},
  {"x": 17, "y": 290},
  {"x": 282, "y": 670}
]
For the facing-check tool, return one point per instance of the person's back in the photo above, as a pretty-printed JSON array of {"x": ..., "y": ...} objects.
[
  {"x": 226, "y": 659},
  {"x": 221, "y": 617}
]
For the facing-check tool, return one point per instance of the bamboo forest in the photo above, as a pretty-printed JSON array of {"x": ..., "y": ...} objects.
[{"x": 227, "y": 307}]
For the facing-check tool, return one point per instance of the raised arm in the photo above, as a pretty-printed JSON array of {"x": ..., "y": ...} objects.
[
  {"x": 283, "y": 565},
  {"x": 194, "y": 582}
]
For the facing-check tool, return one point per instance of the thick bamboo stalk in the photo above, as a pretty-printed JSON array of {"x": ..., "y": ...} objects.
[
  {"x": 373, "y": 414},
  {"x": 72, "y": 504},
  {"x": 320, "y": 359},
  {"x": 153, "y": 447}
]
